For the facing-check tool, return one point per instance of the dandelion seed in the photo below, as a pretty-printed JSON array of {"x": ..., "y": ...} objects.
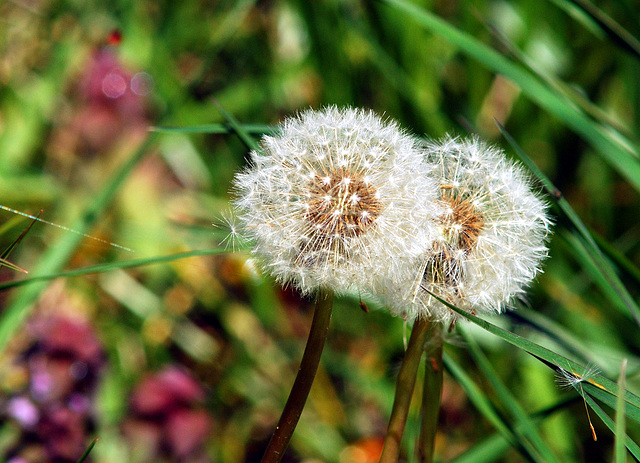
[
  {"x": 490, "y": 235},
  {"x": 234, "y": 239},
  {"x": 335, "y": 199},
  {"x": 566, "y": 379}
]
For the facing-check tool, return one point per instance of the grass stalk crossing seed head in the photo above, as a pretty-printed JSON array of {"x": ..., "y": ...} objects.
[
  {"x": 490, "y": 232},
  {"x": 334, "y": 199}
]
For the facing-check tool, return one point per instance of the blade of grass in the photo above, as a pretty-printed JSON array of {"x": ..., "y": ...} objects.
[
  {"x": 579, "y": 16},
  {"x": 614, "y": 291},
  {"x": 12, "y": 266},
  {"x": 59, "y": 253},
  {"x": 616, "y": 33},
  {"x": 62, "y": 227},
  {"x": 494, "y": 447},
  {"x": 608, "y": 396},
  {"x": 566, "y": 340},
  {"x": 7, "y": 252},
  {"x": 253, "y": 129},
  {"x": 481, "y": 401},
  {"x": 599, "y": 386},
  {"x": 628, "y": 442},
  {"x": 238, "y": 129},
  {"x": 488, "y": 450},
  {"x": 622, "y": 261},
  {"x": 619, "y": 446},
  {"x": 620, "y": 152},
  {"x": 525, "y": 429},
  {"x": 559, "y": 200},
  {"x": 108, "y": 267},
  {"x": 570, "y": 93},
  {"x": 600, "y": 262},
  {"x": 88, "y": 451},
  {"x": 9, "y": 224}
]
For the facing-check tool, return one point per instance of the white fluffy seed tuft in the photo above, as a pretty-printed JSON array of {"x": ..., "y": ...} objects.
[
  {"x": 336, "y": 200},
  {"x": 490, "y": 239}
]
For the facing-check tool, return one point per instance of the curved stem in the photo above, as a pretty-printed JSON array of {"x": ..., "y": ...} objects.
[
  {"x": 404, "y": 391},
  {"x": 302, "y": 385},
  {"x": 431, "y": 395}
]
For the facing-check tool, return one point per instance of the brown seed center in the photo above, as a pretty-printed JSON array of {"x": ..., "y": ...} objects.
[
  {"x": 342, "y": 204},
  {"x": 462, "y": 223}
]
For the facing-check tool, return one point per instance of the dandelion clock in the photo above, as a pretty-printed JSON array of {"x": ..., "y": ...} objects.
[
  {"x": 490, "y": 235},
  {"x": 335, "y": 200}
]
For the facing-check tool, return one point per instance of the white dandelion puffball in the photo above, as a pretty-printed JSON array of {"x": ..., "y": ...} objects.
[
  {"x": 334, "y": 200},
  {"x": 491, "y": 231}
]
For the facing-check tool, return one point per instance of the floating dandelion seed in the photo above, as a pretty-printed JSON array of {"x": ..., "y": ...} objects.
[
  {"x": 566, "y": 379},
  {"x": 335, "y": 199},
  {"x": 228, "y": 222},
  {"x": 489, "y": 239}
]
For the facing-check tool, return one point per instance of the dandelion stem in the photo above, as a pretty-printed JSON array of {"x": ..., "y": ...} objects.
[
  {"x": 431, "y": 395},
  {"x": 302, "y": 385},
  {"x": 404, "y": 391}
]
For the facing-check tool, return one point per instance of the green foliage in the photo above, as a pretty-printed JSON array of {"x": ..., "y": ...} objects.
[{"x": 563, "y": 87}]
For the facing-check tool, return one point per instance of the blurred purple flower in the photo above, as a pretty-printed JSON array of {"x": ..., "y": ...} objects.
[
  {"x": 168, "y": 416},
  {"x": 53, "y": 409}
]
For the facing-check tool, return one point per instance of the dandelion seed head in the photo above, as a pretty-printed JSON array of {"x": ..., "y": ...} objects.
[
  {"x": 490, "y": 238},
  {"x": 356, "y": 204}
]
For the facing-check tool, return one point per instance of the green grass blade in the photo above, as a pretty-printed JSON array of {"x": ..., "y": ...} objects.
[
  {"x": 601, "y": 274},
  {"x": 587, "y": 352},
  {"x": 7, "y": 252},
  {"x": 599, "y": 386},
  {"x": 580, "y": 16},
  {"x": 252, "y": 129},
  {"x": 480, "y": 400},
  {"x": 108, "y": 267},
  {"x": 607, "y": 394},
  {"x": 622, "y": 261},
  {"x": 618, "y": 151},
  {"x": 524, "y": 427},
  {"x": 488, "y": 450},
  {"x": 494, "y": 447},
  {"x": 587, "y": 244},
  {"x": 562, "y": 204},
  {"x": 11, "y": 265},
  {"x": 247, "y": 139},
  {"x": 568, "y": 92},
  {"x": 88, "y": 451},
  {"x": 10, "y": 223},
  {"x": 619, "y": 446},
  {"x": 59, "y": 253},
  {"x": 616, "y": 33},
  {"x": 629, "y": 443}
]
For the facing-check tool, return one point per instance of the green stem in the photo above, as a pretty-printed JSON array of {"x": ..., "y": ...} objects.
[
  {"x": 302, "y": 385},
  {"x": 404, "y": 391},
  {"x": 431, "y": 395}
]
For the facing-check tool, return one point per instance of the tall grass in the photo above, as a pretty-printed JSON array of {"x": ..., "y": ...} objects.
[{"x": 563, "y": 86}]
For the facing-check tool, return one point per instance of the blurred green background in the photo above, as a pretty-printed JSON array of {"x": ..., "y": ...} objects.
[{"x": 191, "y": 359}]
